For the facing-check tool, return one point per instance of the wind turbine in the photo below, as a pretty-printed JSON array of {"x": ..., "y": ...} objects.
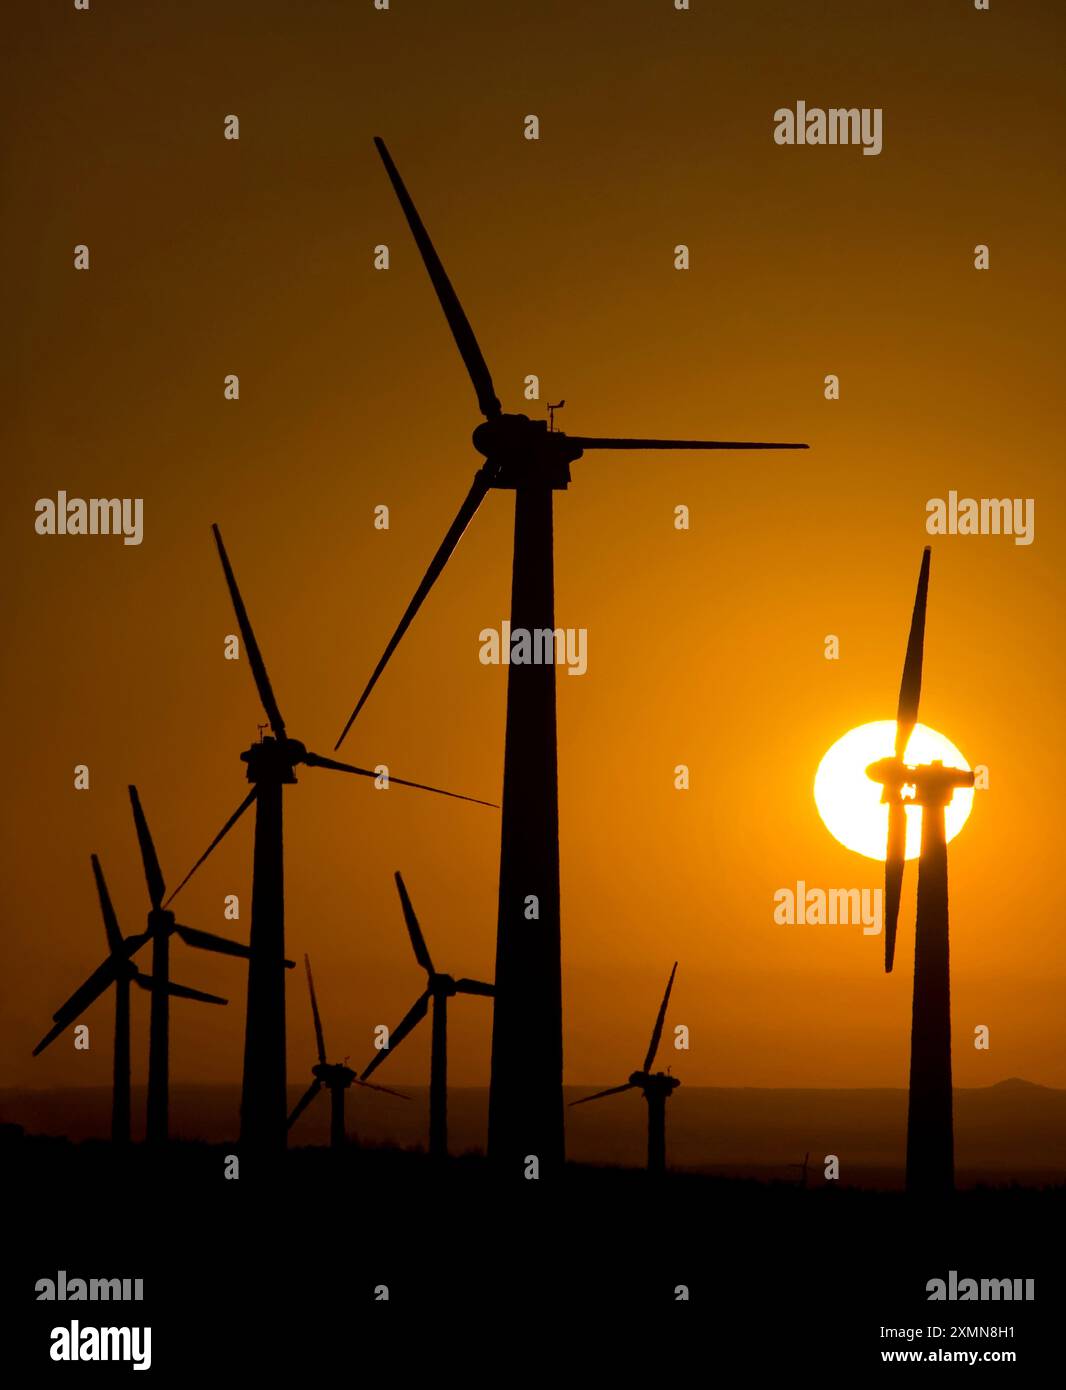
[
  {"x": 802, "y": 1179},
  {"x": 271, "y": 764},
  {"x": 930, "y": 1128},
  {"x": 336, "y": 1077},
  {"x": 162, "y": 924},
  {"x": 657, "y": 1087},
  {"x": 523, "y": 456},
  {"x": 119, "y": 970},
  {"x": 439, "y": 989}
]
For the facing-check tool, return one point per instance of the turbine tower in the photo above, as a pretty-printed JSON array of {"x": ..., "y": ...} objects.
[
  {"x": 439, "y": 989},
  {"x": 271, "y": 765},
  {"x": 161, "y": 926},
  {"x": 118, "y": 970},
  {"x": 930, "y": 1125},
  {"x": 656, "y": 1086},
  {"x": 525, "y": 457},
  {"x": 336, "y": 1077}
]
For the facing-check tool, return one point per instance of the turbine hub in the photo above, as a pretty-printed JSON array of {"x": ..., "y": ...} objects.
[{"x": 443, "y": 984}]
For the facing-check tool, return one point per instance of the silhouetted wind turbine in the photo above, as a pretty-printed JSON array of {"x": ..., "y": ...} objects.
[
  {"x": 161, "y": 926},
  {"x": 524, "y": 456},
  {"x": 336, "y": 1077},
  {"x": 930, "y": 1128},
  {"x": 439, "y": 989},
  {"x": 802, "y": 1168},
  {"x": 118, "y": 970},
  {"x": 657, "y": 1087},
  {"x": 271, "y": 767}
]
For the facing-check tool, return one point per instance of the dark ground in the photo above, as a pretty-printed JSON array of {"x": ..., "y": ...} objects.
[{"x": 257, "y": 1273}]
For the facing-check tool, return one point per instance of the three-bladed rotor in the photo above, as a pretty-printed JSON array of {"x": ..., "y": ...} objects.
[
  {"x": 118, "y": 966},
  {"x": 646, "y": 1080},
  {"x": 438, "y": 985},
  {"x": 328, "y": 1075},
  {"x": 160, "y": 920},
  {"x": 275, "y": 757},
  {"x": 519, "y": 452}
]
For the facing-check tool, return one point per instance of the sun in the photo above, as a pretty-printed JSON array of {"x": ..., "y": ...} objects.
[{"x": 850, "y": 804}]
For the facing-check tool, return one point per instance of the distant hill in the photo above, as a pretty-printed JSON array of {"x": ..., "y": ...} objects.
[{"x": 1013, "y": 1130}]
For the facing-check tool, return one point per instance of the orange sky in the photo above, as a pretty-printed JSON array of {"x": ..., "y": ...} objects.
[{"x": 704, "y": 647}]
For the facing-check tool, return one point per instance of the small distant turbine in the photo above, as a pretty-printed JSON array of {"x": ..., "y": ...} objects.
[
  {"x": 439, "y": 989},
  {"x": 336, "y": 1077},
  {"x": 118, "y": 970},
  {"x": 161, "y": 926},
  {"x": 657, "y": 1088},
  {"x": 802, "y": 1179}
]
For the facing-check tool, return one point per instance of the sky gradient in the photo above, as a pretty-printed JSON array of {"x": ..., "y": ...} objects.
[{"x": 705, "y": 647}]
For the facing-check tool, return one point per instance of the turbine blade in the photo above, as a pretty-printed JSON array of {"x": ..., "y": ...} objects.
[
  {"x": 178, "y": 991},
  {"x": 152, "y": 873},
  {"x": 657, "y": 1031},
  {"x": 911, "y": 685},
  {"x": 614, "y": 1091},
  {"x": 114, "y": 934},
  {"x": 208, "y": 941},
  {"x": 304, "y": 1101},
  {"x": 465, "y": 986},
  {"x": 251, "y": 646},
  {"x": 449, "y": 301},
  {"x": 414, "y": 1015},
  {"x": 220, "y": 836},
  {"x": 463, "y": 517},
  {"x": 584, "y": 442},
  {"x": 414, "y": 931},
  {"x": 331, "y": 764},
  {"x": 894, "y": 859},
  {"x": 50, "y": 1037},
  {"x": 370, "y": 1086},
  {"x": 319, "y": 1039},
  {"x": 88, "y": 992}
]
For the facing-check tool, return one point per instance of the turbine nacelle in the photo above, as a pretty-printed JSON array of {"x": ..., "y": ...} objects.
[
  {"x": 333, "y": 1074},
  {"x": 274, "y": 759},
  {"x": 520, "y": 450},
  {"x": 654, "y": 1083},
  {"x": 933, "y": 783}
]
